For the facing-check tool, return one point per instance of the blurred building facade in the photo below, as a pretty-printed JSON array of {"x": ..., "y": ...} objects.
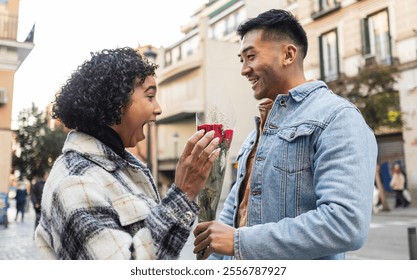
[
  {"x": 348, "y": 35},
  {"x": 12, "y": 55},
  {"x": 344, "y": 35},
  {"x": 198, "y": 72}
]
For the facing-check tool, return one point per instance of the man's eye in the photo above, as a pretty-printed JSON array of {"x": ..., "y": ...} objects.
[{"x": 251, "y": 56}]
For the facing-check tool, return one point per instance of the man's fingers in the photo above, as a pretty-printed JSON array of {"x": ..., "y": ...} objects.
[
  {"x": 200, "y": 228},
  {"x": 201, "y": 234},
  {"x": 207, "y": 252}
]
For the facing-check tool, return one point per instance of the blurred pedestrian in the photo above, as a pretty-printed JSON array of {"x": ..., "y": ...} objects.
[
  {"x": 36, "y": 196},
  {"x": 398, "y": 184},
  {"x": 381, "y": 199},
  {"x": 21, "y": 194}
]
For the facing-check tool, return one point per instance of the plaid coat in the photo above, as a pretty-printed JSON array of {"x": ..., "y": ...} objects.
[{"x": 97, "y": 205}]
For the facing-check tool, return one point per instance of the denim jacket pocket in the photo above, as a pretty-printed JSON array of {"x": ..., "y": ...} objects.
[
  {"x": 293, "y": 151},
  {"x": 130, "y": 209},
  {"x": 242, "y": 156}
]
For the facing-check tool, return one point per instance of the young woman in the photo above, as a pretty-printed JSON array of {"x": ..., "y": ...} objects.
[{"x": 100, "y": 202}]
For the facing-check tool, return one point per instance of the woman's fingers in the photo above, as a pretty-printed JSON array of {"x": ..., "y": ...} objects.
[
  {"x": 196, "y": 162},
  {"x": 207, "y": 153},
  {"x": 202, "y": 145},
  {"x": 189, "y": 146}
]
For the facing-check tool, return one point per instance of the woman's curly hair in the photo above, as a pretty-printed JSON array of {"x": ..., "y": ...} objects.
[{"x": 97, "y": 91}]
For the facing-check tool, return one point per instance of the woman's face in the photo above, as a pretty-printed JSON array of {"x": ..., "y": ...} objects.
[{"x": 142, "y": 109}]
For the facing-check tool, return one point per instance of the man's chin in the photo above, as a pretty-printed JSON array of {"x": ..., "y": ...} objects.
[{"x": 257, "y": 96}]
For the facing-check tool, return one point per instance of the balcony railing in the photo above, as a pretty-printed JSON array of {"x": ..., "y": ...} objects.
[{"x": 8, "y": 26}]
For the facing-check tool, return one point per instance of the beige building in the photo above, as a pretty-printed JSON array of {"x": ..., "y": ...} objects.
[
  {"x": 198, "y": 73},
  {"x": 347, "y": 35},
  {"x": 202, "y": 69},
  {"x": 12, "y": 55}
]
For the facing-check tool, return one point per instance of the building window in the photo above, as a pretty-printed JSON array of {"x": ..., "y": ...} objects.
[
  {"x": 191, "y": 46},
  {"x": 324, "y": 7},
  {"x": 327, "y": 4},
  {"x": 217, "y": 30},
  {"x": 238, "y": 18},
  {"x": 168, "y": 58},
  {"x": 228, "y": 26},
  {"x": 376, "y": 46},
  {"x": 329, "y": 56}
]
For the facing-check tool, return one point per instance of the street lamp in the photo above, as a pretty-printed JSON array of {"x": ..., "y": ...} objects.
[
  {"x": 151, "y": 55},
  {"x": 176, "y": 136}
]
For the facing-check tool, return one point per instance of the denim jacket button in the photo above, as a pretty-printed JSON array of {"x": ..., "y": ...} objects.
[
  {"x": 272, "y": 126},
  {"x": 256, "y": 193}
]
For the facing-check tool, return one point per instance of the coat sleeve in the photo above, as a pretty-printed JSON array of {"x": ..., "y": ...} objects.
[
  {"x": 170, "y": 223},
  {"x": 84, "y": 224}
]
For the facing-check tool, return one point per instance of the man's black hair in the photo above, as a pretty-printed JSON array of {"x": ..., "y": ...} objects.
[{"x": 277, "y": 24}]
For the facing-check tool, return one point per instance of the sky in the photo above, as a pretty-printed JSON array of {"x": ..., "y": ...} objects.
[{"x": 68, "y": 30}]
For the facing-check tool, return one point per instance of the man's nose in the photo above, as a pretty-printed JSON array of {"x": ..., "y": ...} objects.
[{"x": 245, "y": 70}]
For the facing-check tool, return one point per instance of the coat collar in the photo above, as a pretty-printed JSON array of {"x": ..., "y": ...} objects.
[{"x": 96, "y": 151}]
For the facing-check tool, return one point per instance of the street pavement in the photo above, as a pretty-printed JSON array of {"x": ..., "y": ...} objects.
[
  {"x": 387, "y": 237},
  {"x": 16, "y": 241}
]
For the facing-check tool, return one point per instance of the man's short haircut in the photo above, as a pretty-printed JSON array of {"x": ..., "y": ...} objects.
[{"x": 277, "y": 25}]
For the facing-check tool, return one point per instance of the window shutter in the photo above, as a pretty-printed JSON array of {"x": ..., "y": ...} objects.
[
  {"x": 366, "y": 48},
  {"x": 3, "y": 96},
  {"x": 321, "y": 58}
]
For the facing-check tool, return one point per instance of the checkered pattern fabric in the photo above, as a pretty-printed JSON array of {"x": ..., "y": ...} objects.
[{"x": 97, "y": 205}]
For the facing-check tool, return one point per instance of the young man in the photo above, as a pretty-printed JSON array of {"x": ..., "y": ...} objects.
[{"x": 306, "y": 173}]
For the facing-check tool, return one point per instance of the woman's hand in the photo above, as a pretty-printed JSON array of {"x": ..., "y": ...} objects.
[{"x": 195, "y": 162}]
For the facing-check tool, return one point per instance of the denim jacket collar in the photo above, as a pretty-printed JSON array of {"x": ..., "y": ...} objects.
[{"x": 299, "y": 93}]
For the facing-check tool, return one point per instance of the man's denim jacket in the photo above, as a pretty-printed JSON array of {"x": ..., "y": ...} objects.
[{"x": 312, "y": 180}]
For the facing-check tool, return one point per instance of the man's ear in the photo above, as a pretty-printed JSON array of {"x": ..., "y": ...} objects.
[{"x": 291, "y": 52}]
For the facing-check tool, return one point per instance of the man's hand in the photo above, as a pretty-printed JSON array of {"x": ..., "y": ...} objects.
[{"x": 214, "y": 237}]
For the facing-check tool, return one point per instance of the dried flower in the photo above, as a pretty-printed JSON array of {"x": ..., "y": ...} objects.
[{"x": 209, "y": 197}]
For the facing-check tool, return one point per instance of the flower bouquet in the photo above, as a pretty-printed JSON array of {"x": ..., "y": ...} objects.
[{"x": 209, "y": 196}]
